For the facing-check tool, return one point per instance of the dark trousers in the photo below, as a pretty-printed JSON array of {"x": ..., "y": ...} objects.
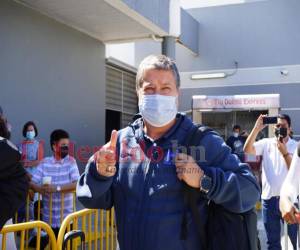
[{"x": 272, "y": 221}]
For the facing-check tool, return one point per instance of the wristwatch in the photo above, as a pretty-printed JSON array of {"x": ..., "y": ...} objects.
[
  {"x": 58, "y": 188},
  {"x": 205, "y": 184}
]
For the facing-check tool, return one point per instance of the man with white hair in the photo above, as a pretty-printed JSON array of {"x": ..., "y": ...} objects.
[{"x": 141, "y": 173}]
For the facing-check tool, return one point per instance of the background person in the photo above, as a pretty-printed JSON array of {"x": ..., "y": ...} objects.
[
  {"x": 32, "y": 152},
  {"x": 290, "y": 191},
  {"x": 55, "y": 175},
  {"x": 13, "y": 181},
  {"x": 236, "y": 142},
  {"x": 276, "y": 155},
  {"x": 30, "y": 148},
  {"x": 8, "y": 125}
]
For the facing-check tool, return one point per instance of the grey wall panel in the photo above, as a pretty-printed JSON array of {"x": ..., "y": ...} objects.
[
  {"x": 51, "y": 74},
  {"x": 157, "y": 11},
  {"x": 189, "y": 32},
  {"x": 256, "y": 34}
]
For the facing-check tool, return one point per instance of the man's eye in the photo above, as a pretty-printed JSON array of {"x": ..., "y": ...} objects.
[{"x": 148, "y": 90}]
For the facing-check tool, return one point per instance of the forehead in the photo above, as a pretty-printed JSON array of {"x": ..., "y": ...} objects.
[
  {"x": 30, "y": 127},
  {"x": 282, "y": 121},
  {"x": 158, "y": 76},
  {"x": 63, "y": 141}
]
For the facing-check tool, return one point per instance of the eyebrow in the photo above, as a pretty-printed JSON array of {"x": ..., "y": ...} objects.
[
  {"x": 147, "y": 84},
  {"x": 167, "y": 83}
]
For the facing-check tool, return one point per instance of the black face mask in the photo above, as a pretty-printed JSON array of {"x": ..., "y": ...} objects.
[
  {"x": 64, "y": 151},
  {"x": 281, "y": 132}
]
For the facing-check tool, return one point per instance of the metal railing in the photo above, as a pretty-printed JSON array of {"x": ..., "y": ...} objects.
[
  {"x": 39, "y": 200},
  {"x": 25, "y": 227},
  {"x": 98, "y": 226}
]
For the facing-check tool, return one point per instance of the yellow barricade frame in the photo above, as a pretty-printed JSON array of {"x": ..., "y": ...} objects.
[
  {"x": 103, "y": 225},
  {"x": 50, "y": 206},
  {"x": 24, "y": 227},
  {"x": 86, "y": 216}
]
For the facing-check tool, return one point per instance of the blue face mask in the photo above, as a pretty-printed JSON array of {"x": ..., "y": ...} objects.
[
  {"x": 158, "y": 110},
  {"x": 30, "y": 135}
]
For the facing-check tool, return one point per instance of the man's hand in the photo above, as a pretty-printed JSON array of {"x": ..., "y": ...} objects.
[
  {"x": 259, "y": 124},
  {"x": 284, "y": 152},
  {"x": 106, "y": 157},
  {"x": 28, "y": 176},
  {"x": 288, "y": 211},
  {"x": 282, "y": 147},
  {"x": 188, "y": 170},
  {"x": 48, "y": 189},
  {"x": 31, "y": 194}
]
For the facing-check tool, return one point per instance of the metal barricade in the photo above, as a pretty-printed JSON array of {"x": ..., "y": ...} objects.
[
  {"x": 25, "y": 227},
  {"x": 98, "y": 226},
  {"x": 62, "y": 205},
  {"x": 39, "y": 201}
]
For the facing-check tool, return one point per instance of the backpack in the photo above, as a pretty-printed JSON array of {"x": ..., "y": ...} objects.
[{"x": 224, "y": 230}]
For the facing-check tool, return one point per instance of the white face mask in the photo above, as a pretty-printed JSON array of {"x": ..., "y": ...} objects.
[
  {"x": 235, "y": 134},
  {"x": 158, "y": 110}
]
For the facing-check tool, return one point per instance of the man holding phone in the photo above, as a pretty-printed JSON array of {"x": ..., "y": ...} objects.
[{"x": 276, "y": 155}]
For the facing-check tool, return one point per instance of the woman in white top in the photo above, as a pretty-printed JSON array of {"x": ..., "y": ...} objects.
[{"x": 290, "y": 191}]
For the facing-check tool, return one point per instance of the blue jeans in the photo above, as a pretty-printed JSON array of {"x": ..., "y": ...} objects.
[{"x": 272, "y": 221}]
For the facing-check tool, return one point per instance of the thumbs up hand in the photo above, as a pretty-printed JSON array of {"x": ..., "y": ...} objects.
[{"x": 106, "y": 157}]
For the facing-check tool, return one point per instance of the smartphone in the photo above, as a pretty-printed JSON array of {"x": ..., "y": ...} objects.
[{"x": 269, "y": 120}]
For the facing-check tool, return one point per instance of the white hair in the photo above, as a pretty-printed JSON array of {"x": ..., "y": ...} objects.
[{"x": 160, "y": 62}]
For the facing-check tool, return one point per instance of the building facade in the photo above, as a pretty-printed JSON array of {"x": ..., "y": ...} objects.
[
  {"x": 54, "y": 69},
  {"x": 246, "y": 48}
]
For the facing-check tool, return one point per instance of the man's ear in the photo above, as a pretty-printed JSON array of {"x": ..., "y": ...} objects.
[{"x": 53, "y": 147}]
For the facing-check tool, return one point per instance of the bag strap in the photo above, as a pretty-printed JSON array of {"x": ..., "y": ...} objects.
[
  {"x": 196, "y": 134},
  {"x": 191, "y": 195}
]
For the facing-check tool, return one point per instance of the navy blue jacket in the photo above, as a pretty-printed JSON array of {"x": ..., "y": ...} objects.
[{"x": 147, "y": 195}]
